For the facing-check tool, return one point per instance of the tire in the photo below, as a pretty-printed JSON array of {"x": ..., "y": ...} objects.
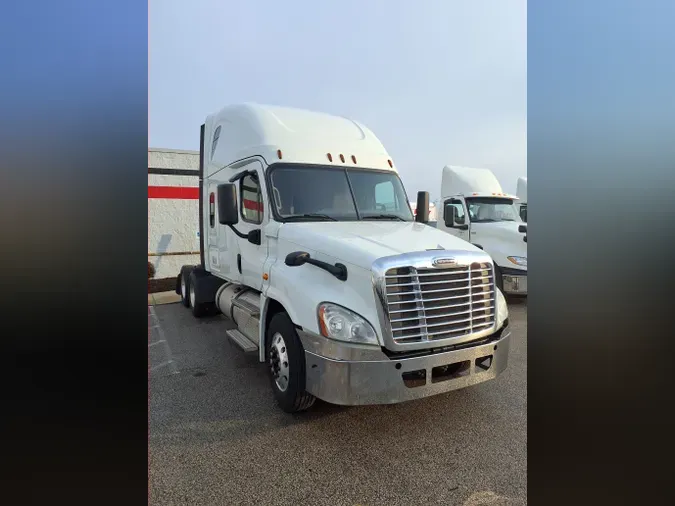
[
  {"x": 291, "y": 394},
  {"x": 499, "y": 281},
  {"x": 184, "y": 287},
  {"x": 198, "y": 309}
]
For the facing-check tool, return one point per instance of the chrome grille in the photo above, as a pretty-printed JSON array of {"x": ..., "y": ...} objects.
[{"x": 427, "y": 304}]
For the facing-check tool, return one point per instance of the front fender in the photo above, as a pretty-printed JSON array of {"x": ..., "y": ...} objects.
[
  {"x": 301, "y": 289},
  {"x": 499, "y": 250}
]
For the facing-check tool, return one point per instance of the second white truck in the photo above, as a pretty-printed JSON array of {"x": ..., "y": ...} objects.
[
  {"x": 476, "y": 209},
  {"x": 309, "y": 245}
]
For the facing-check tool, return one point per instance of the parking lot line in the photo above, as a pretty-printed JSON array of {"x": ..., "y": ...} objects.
[{"x": 162, "y": 339}]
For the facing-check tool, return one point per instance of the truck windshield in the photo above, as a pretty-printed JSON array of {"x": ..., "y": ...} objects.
[
  {"x": 305, "y": 193},
  {"x": 490, "y": 209}
]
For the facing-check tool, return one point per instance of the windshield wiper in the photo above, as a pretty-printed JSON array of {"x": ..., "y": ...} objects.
[
  {"x": 311, "y": 216},
  {"x": 383, "y": 217}
]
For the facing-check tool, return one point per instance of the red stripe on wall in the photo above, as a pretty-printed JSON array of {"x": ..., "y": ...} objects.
[
  {"x": 190, "y": 193},
  {"x": 173, "y": 192}
]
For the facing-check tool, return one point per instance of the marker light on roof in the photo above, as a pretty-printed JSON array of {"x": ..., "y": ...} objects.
[
  {"x": 391, "y": 164},
  {"x": 279, "y": 153},
  {"x": 330, "y": 157},
  {"x": 342, "y": 158},
  {"x": 475, "y": 193},
  {"x": 353, "y": 159}
]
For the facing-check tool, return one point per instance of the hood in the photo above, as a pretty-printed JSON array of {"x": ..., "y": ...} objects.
[
  {"x": 362, "y": 242},
  {"x": 500, "y": 229},
  {"x": 500, "y": 239}
]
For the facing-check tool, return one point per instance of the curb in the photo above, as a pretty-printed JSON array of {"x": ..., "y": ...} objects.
[{"x": 159, "y": 298}]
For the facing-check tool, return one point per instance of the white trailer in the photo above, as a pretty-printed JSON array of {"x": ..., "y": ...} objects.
[
  {"x": 477, "y": 210},
  {"x": 309, "y": 245}
]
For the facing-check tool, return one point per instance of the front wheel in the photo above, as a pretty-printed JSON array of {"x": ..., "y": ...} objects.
[{"x": 286, "y": 361}]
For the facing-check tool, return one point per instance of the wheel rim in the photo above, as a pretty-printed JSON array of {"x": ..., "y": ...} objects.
[
  {"x": 279, "y": 362},
  {"x": 192, "y": 295},
  {"x": 182, "y": 287}
]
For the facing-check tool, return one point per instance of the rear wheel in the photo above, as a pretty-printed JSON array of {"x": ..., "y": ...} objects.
[
  {"x": 184, "y": 288},
  {"x": 199, "y": 309},
  {"x": 286, "y": 361}
]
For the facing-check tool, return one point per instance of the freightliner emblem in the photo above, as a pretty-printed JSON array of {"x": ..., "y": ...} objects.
[{"x": 444, "y": 262}]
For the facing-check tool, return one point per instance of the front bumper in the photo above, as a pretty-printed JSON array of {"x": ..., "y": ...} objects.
[
  {"x": 514, "y": 281},
  {"x": 384, "y": 380}
]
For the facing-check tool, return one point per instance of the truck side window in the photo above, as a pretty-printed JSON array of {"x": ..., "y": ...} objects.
[
  {"x": 251, "y": 199},
  {"x": 447, "y": 209}
]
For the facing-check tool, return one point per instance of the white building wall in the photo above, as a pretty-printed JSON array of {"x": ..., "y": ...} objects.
[{"x": 173, "y": 223}]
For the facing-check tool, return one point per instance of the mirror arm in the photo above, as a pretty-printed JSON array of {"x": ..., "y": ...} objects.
[
  {"x": 243, "y": 236},
  {"x": 338, "y": 270},
  {"x": 298, "y": 258}
]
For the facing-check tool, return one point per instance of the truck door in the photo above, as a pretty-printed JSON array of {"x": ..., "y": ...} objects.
[
  {"x": 211, "y": 227},
  {"x": 253, "y": 216},
  {"x": 220, "y": 243},
  {"x": 461, "y": 227}
]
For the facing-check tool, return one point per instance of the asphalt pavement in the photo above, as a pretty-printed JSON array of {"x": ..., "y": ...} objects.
[{"x": 218, "y": 438}]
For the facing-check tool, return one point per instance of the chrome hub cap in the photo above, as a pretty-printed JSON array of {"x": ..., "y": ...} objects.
[{"x": 279, "y": 362}]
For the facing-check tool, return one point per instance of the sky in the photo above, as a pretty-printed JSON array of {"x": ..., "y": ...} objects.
[{"x": 440, "y": 83}]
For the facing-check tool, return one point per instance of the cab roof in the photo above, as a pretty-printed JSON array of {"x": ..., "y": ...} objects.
[
  {"x": 466, "y": 181},
  {"x": 290, "y": 135}
]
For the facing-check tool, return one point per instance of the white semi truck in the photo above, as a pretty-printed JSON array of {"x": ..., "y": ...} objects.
[
  {"x": 521, "y": 193},
  {"x": 476, "y": 209},
  {"x": 308, "y": 244}
]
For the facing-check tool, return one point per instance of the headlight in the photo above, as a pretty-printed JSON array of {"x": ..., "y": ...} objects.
[
  {"x": 522, "y": 261},
  {"x": 502, "y": 308},
  {"x": 342, "y": 324}
]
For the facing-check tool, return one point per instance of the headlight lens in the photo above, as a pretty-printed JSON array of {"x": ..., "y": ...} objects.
[
  {"x": 342, "y": 324},
  {"x": 522, "y": 261},
  {"x": 502, "y": 309}
]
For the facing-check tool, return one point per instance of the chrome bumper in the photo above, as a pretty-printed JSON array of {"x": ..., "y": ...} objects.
[
  {"x": 380, "y": 380},
  {"x": 515, "y": 284}
]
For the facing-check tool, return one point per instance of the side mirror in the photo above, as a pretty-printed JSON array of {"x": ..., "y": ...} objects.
[
  {"x": 422, "y": 215},
  {"x": 452, "y": 219},
  {"x": 450, "y": 216},
  {"x": 297, "y": 258},
  {"x": 228, "y": 213}
]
